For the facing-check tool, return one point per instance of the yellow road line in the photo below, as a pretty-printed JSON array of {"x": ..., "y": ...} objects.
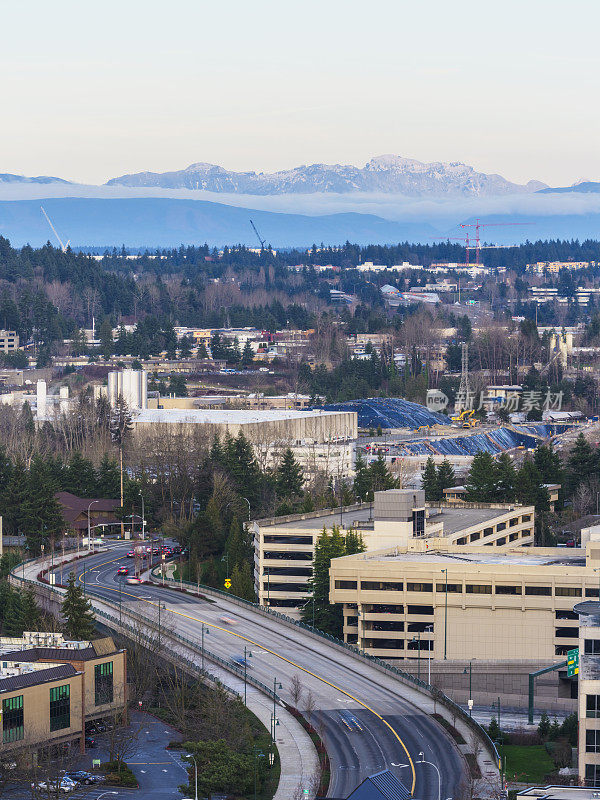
[{"x": 277, "y": 655}]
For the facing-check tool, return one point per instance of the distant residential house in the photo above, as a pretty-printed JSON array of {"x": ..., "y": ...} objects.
[{"x": 75, "y": 510}]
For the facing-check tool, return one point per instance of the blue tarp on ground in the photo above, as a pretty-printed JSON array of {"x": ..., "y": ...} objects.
[
  {"x": 389, "y": 412},
  {"x": 492, "y": 442}
]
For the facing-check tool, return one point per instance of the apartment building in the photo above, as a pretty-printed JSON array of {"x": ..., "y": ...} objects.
[
  {"x": 589, "y": 692},
  {"x": 49, "y": 688},
  {"x": 284, "y": 546},
  {"x": 9, "y": 341}
]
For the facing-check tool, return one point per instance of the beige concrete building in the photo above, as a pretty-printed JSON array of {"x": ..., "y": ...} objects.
[
  {"x": 284, "y": 546},
  {"x": 465, "y": 602},
  {"x": 589, "y": 693},
  {"x": 50, "y": 688}
]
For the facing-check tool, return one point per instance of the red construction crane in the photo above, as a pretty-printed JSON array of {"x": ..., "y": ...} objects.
[
  {"x": 478, "y": 225},
  {"x": 466, "y": 239}
]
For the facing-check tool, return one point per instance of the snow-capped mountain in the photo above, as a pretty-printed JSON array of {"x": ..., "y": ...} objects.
[
  {"x": 387, "y": 174},
  {"x": 8, "y": 177}
]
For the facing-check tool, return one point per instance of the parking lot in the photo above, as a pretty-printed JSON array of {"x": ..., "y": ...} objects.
[{"x": 158, "y": 771}]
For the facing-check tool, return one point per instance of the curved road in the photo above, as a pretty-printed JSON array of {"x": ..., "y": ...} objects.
[{"x": 384, "y": 730}]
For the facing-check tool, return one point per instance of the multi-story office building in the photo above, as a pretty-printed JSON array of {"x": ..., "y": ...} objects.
[
  {"x": 465, "y": 602},
  {"x": 284, "y": 546},
  {"x": 50, "y": 688}
]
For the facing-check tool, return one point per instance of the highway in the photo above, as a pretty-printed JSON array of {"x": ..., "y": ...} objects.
[{"x": 383, "y": 729}]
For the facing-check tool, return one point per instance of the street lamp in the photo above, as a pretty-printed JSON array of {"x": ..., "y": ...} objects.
[
  {"x": 248, "y": 501},
  {"x": 143, "y": 517},
  {"x": 431, "y": 764},
  {"x": 446, "y": 618},
  {"x": 276, "y": 685},
  {"x": 470, "y": 685},
  {"x": 247, "y": 655},
  {"x": 257, "y": 755},
  {"x": 88, "y": 517},
  {"x": 429, "y": 628},
  {"x": 205, "y": 630},
  {"x": 418, "y": 640},
  {"x": 188, "y": 755}
]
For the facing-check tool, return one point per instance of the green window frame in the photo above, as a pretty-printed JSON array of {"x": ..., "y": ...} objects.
[
  {"x": 103, "y": 675},
  {"x": 13, "y": 728},
  {"x": 60, "y": 707}
]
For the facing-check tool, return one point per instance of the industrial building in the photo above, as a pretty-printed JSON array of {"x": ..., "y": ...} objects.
[
  {"x": 321, "y": 440},
  {"x": 466, "y": 597},
  {"x": 284, "y": 546},
  {"x": 131, "y": 385},
  {"x": 49, "y": 688}
]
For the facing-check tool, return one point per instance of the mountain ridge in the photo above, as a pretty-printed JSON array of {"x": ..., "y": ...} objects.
[{"x": 385, "y": 174}]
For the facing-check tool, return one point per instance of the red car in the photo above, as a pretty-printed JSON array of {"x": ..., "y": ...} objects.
[{"x": 122, "y": 571}]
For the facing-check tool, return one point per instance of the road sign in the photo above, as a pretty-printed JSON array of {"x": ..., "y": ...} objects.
[
  {"x": 572, "y": 662},
  {"x": 228, "y": 583}
]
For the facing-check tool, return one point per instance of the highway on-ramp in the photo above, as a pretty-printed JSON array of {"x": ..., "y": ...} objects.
[{"x": 365, "y": 717}]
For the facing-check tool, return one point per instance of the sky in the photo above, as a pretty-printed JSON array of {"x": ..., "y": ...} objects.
[{"x": 91, "y": 91}]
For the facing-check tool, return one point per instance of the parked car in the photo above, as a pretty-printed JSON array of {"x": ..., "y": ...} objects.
[
  {"x": 81, "y": 776},
  {"x": 63, "y": 785}
]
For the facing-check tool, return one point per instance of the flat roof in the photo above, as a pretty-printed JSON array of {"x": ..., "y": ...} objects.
[
  {"x": 454, "y": 519},
  {"x": 560, "y": 792},
  {"x": 460, "y": 518},
  {"x": 219, "y": 416},
  {"x": 520, "y": 556},
  {"x": 332, "y": 518}
]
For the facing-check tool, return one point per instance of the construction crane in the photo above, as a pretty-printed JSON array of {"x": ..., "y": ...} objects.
[
  {"x": 480, "y": 225},
  {"x": 457, "y": 239},
  {"x": 63, "y": 247},
  {"x": 468, "y": 248},
  {"x": 262, "y": 241}
]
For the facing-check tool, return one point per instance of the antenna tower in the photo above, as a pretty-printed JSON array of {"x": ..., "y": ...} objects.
[{"x": 463, "y": 389}]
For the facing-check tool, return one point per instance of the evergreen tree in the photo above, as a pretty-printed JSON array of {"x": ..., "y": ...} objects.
[
  {"x": 242, "y": 584},
  {"x": 581, "y": 463},
  {"x": 354, "y": 542},
  {"x": 505, "y": 479},
  {"x": 247, "y": 354},
  {"x": 380, "y": 475},
  {"x": 445, "y": 478},
  {"x": 108, "y": 480},
  {"x": 77, "y": 612},
  {"x": 239, "y": 544},
  {"x": 289, "y": 477},
  {"x": 363, "y": 485},
  {"x": 106, "y": 338},
  {"x": 80, "y": 476},
  {"x": 430, "y": 480},
  {"x": 549, "y": 464},
  {"x": 481, "y": 482},
  {"x": 544, "y": 726},
  {"x": 14, "y": 622},
  {"x": 185, "y": 347},
  {"x": 529, "y": 489},
  {"x": 31, "y": 612},
  {"x": 328, "y": 618}
]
